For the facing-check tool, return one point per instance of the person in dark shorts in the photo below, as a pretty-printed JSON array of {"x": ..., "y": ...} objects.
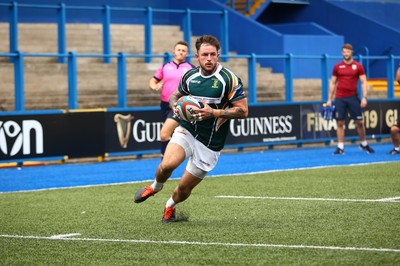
[
  {"x": 344, "y": 85},
  {"x": 200, "y": 141},
  {"x": 165, "y": 81}
]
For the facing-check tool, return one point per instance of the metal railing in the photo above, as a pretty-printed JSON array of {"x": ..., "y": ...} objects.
[
  {"x": 106, "y": 13},
  {"x": 71, "y": 58},
  {"x": 17, "y": 56}
]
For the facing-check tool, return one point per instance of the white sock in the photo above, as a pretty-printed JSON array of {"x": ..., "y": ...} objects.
[
  {"x": 170, "y": 203},
  {"x": 364, "y": 143},
  {"x": 157, "y": 186},
  {"x": 340, "y": 145},
  {"x": 397, "y": 148}
]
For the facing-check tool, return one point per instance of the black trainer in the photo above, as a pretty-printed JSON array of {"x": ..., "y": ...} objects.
[
  {"x": 338, "y": 151},
  {"x": 394, "y": 152},
  {"x": 367, "y": 149}
]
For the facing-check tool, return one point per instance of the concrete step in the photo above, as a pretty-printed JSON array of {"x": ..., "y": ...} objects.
[{"x": 46, "y": 81}]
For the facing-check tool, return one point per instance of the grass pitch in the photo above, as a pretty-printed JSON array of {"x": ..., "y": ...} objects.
[{"x": 329, "y": 216}]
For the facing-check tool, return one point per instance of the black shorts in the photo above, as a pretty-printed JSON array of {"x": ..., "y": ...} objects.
[
  {"x": 166, "y": 112},
  {"x": 349, "y": 105}
]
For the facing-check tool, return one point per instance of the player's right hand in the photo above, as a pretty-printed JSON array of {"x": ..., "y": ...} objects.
[{"x": 176, "y": 111}]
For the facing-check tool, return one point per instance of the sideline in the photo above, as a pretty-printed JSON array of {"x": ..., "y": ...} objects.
[
  {"x": 177, "y": 178},
  {"x": 394, "y": 199},
  {"x": 63, "y": 176},
  {"x": 174, "y": 242}
]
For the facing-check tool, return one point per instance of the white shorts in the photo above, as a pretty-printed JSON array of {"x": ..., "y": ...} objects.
[{"x": 201, "y": 159}]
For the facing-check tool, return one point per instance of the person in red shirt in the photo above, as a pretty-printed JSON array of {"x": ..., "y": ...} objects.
[{"x": 344, "y": 82}]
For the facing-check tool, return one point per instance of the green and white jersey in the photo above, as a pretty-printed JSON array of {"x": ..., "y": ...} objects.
[{"x": 218, "y": 90}]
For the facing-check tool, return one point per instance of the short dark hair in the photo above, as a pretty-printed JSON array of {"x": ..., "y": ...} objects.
[
  {"x": 207, "y": 39},
  {"x": 347, "y": 46},
  {"x": 182, "y": 43}
]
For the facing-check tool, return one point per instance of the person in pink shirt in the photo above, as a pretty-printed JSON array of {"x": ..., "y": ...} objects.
[
  {"x": 344, "y": 82},
  {"x": 166, "y": 80}
]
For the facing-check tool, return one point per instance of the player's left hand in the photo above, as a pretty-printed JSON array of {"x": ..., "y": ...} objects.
[{"x": 203, "y": 113}]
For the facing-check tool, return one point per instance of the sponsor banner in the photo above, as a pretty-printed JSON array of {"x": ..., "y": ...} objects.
[
  {"x": 89, "y": 134},
  {"x": 389, "y": 115},
  {"x": 140, "y": 130},
  {"x": 378, "y": 118},
  {"x": 313, "y": 126},
  {"x": 51, "y": 135},
  {"x": 373, "y": 119},
  {"x": 266, "y": 124},
  {"x": 84, "y": 134},
  {"x": 132, "y": 131}
]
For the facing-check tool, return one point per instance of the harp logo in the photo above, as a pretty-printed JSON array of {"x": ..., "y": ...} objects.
[
  {"x": 14, "y": 137},
  {"x": 123, "y": 123}
]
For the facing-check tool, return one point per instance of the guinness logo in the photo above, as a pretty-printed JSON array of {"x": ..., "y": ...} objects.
[{"x": 123, "y": 124}]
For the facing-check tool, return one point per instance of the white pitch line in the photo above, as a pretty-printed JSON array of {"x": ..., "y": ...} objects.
[
  {"x": 64, "y": 236},
  {"x": 311, "y": 199},
  {"x": 391, "y": 199},
  {"x": 206, "y": 243}
]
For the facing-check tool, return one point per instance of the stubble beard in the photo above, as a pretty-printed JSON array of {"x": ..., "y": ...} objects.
[
  {"x": 348, "y": 59},
  {"x": 206, "y": 72}
]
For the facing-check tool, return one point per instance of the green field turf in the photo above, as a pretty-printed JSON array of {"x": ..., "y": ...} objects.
[{"x": 327, "y": 216}]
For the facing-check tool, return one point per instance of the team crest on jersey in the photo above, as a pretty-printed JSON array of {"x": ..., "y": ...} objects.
[
  {"x": 354, "y": 67},
  {"x": 215, "y": 84}
]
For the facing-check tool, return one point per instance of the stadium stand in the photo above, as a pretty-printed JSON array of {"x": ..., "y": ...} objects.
[
  {"x": 270, "y": 59},
  {"x": 46, "y": 81}
]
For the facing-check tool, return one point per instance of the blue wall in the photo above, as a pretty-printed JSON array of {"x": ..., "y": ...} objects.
[
  {"x": 371, "y": 25},
  {"x": 298, "y": 29},
  {"x": 381, "y": 11},
  {"x": 375, "y": 25},
  {"x": 247, "y": 36},
  {"x": 87, "y": 16}
]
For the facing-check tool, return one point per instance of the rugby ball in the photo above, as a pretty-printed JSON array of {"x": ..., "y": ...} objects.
[{"x": 185, "y": 107}]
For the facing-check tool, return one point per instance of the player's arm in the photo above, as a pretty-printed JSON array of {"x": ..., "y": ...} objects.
[
  {"x": 332, "y": 89},
  {"x": 364, "y": 84},
  {"x": 155, "y": 84},
  {"x": 174, "y": 98},
  {"x": 238, "y": 110}
]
